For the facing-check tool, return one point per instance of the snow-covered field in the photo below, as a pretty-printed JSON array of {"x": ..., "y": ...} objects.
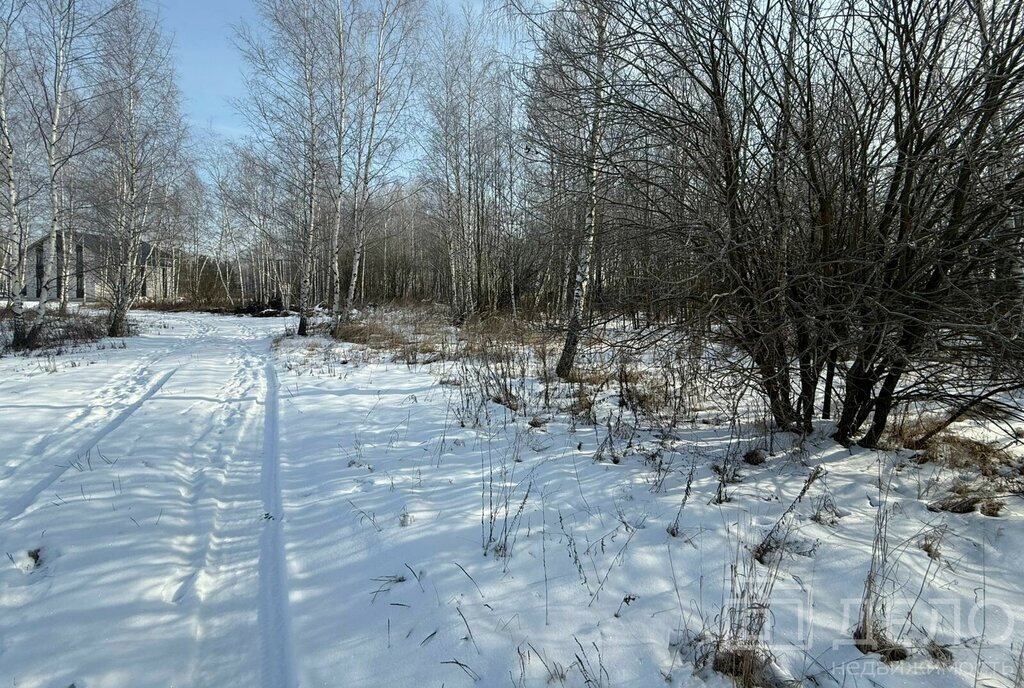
[{"x": 210, "y": 507}]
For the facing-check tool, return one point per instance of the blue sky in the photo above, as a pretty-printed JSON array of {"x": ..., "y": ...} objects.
[{"x": 209, "y": 67}]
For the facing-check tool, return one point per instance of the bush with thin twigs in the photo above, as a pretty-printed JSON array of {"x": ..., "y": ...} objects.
[{"x": 58, "y": 333}]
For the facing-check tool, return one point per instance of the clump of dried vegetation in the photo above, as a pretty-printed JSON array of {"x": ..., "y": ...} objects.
[
  {"x": 58, "y": 333},
  {"x": 984, "y": 470}
]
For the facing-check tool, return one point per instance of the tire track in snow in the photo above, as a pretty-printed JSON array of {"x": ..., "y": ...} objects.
[
  {"x": 121, "y": 386},
  {"x": 19, "y": 505},
  {"x": 224, "y": 592},
  {"x": 278, "y": 662},
  {"x": 124, "y": 384},
  {"x": 213, "y": 454}
]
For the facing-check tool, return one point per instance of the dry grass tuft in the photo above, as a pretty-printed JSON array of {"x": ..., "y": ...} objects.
[
  {"x": 964, "y": 453},
  {"x": 373, "y": 333},
  {"x": 940, "y": 653},
  {"x": 582, "y": 406},
  {"x": 755, "y": 457},
  {"x": 956, "y": 504},
  {"x": 747, "y": 668},
  {"x": 419, "y": 351},
  {"x": 965, "y": 498},
  {"x": 992, "y": 507},
  {"x": 595, "y": 377},
  {"x": 643, "y": 394},
  {"x": 907, "y": 432},
  {"x": 488, "y": 338},
  {"x": 931, "y": 545},
  {"x": 878, "y": 643}
]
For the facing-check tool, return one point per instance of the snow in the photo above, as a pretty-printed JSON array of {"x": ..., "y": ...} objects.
[{"x": 214, "y": 505}]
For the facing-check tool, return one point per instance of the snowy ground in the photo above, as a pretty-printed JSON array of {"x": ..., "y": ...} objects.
[{"x": 206, "y": 507}]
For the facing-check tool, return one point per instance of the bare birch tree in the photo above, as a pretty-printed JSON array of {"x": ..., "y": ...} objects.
[
  {"x": 384, "y": 83},
  {"x": 571, "y": 86},
  {"x": 140, "y": 160},
  {"x": 62, "y": 33},
  {"x": 15, "y": 239},
  {"x": 287, "y": 61},
  {"x": 343, "y": 15}
]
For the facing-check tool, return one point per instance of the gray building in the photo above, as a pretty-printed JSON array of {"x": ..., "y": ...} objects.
[{"x": 92, "y": 266}]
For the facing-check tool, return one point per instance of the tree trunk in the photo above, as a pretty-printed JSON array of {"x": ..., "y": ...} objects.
[
  {"x": 883, "y": 406},
  {"x": 118, "y": 326},
  {"x": 577, "y": 311},
  {"x": 830, "y": 374}
]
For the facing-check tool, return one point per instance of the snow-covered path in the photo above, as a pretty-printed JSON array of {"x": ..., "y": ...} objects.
[
  {"x": 152, "y": 474},
  {"x": 174, "y": 514}
]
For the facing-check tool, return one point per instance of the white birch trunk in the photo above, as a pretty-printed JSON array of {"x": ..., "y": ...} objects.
[
  {"x": 15, "y": 231},
  {"x": 577, "y": 308},
  {"x": 62, "y": 49},
  {"x": 341, "y": 132}
]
